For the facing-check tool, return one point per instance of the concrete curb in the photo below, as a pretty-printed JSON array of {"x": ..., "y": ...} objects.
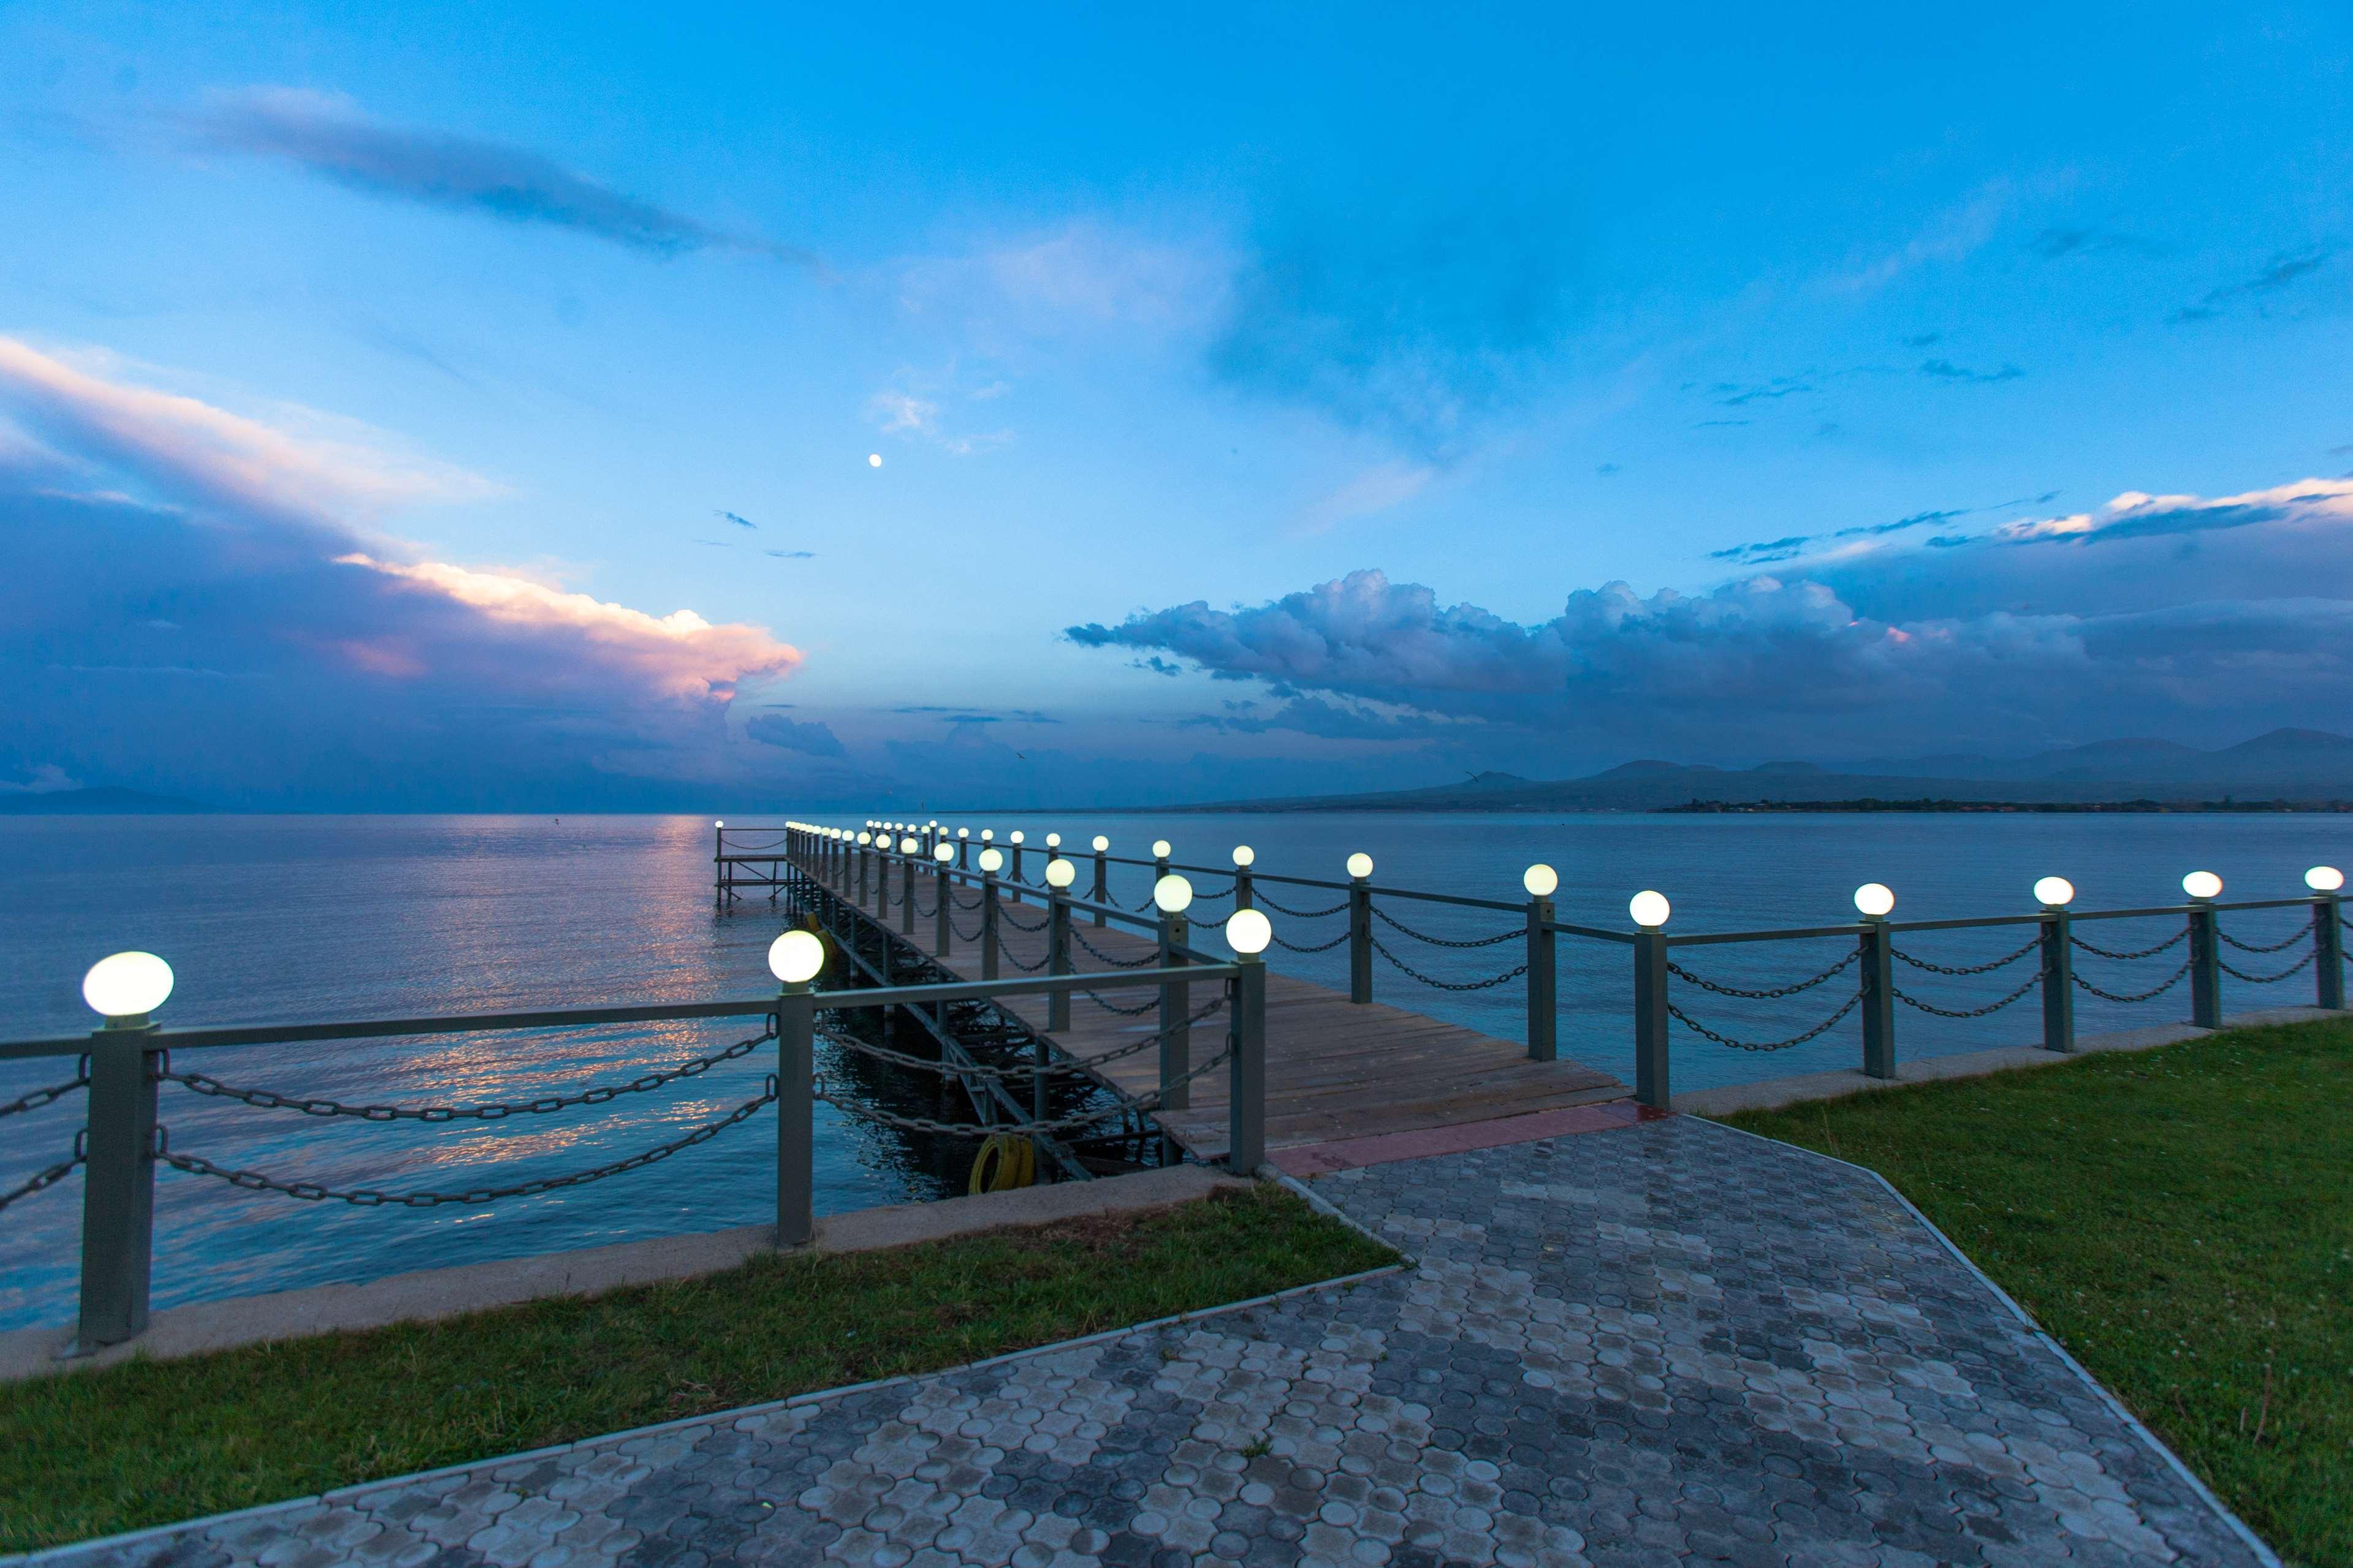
[{"x": 436, "y": 1294}]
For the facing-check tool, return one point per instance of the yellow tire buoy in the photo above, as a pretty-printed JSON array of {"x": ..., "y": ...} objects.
[{"x": 1007, "y": 1160}]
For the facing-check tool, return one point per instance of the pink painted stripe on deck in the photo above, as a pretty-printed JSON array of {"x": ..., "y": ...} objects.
[{"x": 1354, "y": 1154}]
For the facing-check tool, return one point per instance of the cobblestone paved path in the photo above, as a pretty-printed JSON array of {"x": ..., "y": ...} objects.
[{"x": 1668, "y": 1343}]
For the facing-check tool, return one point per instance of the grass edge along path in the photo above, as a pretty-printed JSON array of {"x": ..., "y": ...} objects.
[
  {"x": 2181, "y": 1220},
  {"x": 144, "y": 1443}
]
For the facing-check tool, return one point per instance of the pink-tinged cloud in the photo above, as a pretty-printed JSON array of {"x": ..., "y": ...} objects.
[
  {"x": 2137, "y": 514},
  {"x": 680, "y": 654},
  {"x": 195, "y": 453}
]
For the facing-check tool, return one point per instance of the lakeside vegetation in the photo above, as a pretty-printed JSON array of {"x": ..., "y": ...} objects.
[
  {"x": 2181, "y": 1220},
  {"x": 94, "y": 1453}
]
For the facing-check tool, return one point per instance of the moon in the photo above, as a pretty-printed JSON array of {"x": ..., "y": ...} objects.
[{"x": 873, "y": 460}]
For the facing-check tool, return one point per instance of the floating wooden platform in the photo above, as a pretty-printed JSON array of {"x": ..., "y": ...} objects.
[{"x": 1335, "y": 1069}]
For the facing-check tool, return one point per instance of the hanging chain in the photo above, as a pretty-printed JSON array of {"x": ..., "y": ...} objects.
[
  {"x": 2179, "y": 936},
  {"x": 1318, "y": 947},
  {"x": 1260, "y": 895},
  {"x": 2292, "y": 938},
  {"x": 49, "y": 1177},
  {"x": 1007, "y": 916},
  {"x": 1432, "y": 980},
  {"x": 2170, "y": 980},
  {"x": 266, "y": 1099},
  {"x": 1966, "y": 968},
  {"x": 1689, "y": 1022},
  {"x": 1440, "y": 941},
  {"x": 1145, "y": 1103},
  {"x": 1680, "y": 973},
  {"x": 41, "y": 1097},
  {"x": 2266, "y": 979},
  {"x": 1148, "y": 1004},
  {"x": 1146, "y": 961},
  {"x": 2031, "y": 981},
  {"x": 368, "y": 1197}
]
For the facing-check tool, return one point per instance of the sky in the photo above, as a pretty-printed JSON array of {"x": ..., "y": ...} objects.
[{"x": 546, "y": 408}]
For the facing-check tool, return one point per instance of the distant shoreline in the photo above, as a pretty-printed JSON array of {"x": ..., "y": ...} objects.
[{"x": 1869, "y": 803}]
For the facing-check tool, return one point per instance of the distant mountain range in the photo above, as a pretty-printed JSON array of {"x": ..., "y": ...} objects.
[
  {"x": 101, "y": 802},
  {"x": 2304, "y": 767}
]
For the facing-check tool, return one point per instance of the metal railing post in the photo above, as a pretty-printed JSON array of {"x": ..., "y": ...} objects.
[
  {"x": 1103, "y": 885},
  {"x": 2328, "y": 949},
  {"x": 942, "y": 930},
  {"x": 1057, "y": 957},
  {"x": 1878, "y": 983},
  {"x": 2058, "y": 981},
  {"x": 1360, "y": 940},
  {"x": 718, "y": 867},
  {"x": 795, "y": 1117},
  {"x": 1175, "y": 1006},
  {"x": 907, "y": 896},
  {"x": 988, "y": 938},
  {"x": 117, "y": 1203},
  {"x": 862, "y": 856},
  {"x": 1246, "y": 1108},
  {"x": 1015, "y": 871},
  {"x": 1159, "y": 868},
  {"x": 1242, "y": 887},
  {"x": 2205, "y": 967},
  {"x": 1651, "y": 1078},
  {"x": 1543, "y": 979}
]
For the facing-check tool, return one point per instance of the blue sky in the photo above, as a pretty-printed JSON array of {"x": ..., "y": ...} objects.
[{"x": 1339, "y": 399}]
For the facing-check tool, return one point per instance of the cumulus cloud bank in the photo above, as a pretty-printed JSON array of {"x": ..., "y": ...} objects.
[
  {"x": 195, "y": 605},
  {"x": 1786, "y": 664},
  {"x": 329, "y": 135}
]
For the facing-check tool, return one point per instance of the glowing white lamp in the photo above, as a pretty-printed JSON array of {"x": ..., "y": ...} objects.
[
  {"x": 987, "y": 833},
  {"x": 2054, "y": 892},
  {"x": 2202, "y": 885},
  {"x": 1360, "y": 865},
  {"x": 1541, "y": 880},
  {"x": 1244, "y": 855},
  {"x": 1173, "y": 894},
  {"x": 795, "y": 957},
  {"x": 1161, "y": 849},
  {"x": 1060, "y": 873},
  {"x": 1053, "y": 841},
  {"x": 963, "y": 833},
  {"x": 1874, "y": 899},
  {"x": 865, "y": 838},
  {"x": 1015, "y": 835},
  {"x": 1102, "y": 844},
  {"x": 908, "y": 846},
  {"x": 992, "y": 860},
  {"x": 719, "y": 824},
  {"x": 1248, "y": 933},
  {"x": 944, "y": 854},
  {"x": 2323, "y": 879},
  {"x": 127, "y": 985},
  {"x": 1648, "y": 909}
]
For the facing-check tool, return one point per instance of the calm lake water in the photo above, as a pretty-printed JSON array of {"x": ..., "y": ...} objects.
[{"x": 285, "y": 919}]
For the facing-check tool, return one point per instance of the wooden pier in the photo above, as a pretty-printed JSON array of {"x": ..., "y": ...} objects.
[{"x": 1335, "y": 1069}]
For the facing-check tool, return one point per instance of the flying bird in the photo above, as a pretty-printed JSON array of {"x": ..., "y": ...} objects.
[{"x": 738, "y": 522}]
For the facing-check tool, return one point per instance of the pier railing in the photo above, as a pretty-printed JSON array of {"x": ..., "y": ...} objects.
[
  {"x": 1860, "y": 983},
  {"x": 123, "y": 1068}
]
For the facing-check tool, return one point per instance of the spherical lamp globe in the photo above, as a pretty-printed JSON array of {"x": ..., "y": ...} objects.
[
  {"x": 1648, "y": 909},
  {"x": 945, "y": 853},
  {"x": 1014, "y": 836},
  {"x": 1102, "y": 844},
  {"x": 2054, "y": 892},
  {"x": 992, "y": 860},
  {"x": 127, "y": 985},
  {"x": 1161, "y": 849},
  {"x": 2324, "y": 880},
  {"x": 795, "y": 957},
  {"x": 2202, "y": 885},
  {"x": 1172, "y": 894},
  {"x": 1060, "y": 873},
  {"x": 1874, "y": 899},
  {"x": 1360, "y": 865},
  {"x": 1244, "y": 855},
  {"x": 1541, "y": 880},
  {"x": 1248, "y": 932}
]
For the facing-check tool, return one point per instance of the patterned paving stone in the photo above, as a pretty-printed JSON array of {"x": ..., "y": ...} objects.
[{"x": 1668, "y": 1343}]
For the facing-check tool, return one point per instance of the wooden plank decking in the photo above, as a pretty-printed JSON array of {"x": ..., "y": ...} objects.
[{"x": 1335, "y": 1069}]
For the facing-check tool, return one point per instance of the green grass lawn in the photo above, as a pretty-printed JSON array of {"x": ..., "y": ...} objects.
[
  {"x": 85, "y": 1454},
  {"x": 2181, "y": 1220}
]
